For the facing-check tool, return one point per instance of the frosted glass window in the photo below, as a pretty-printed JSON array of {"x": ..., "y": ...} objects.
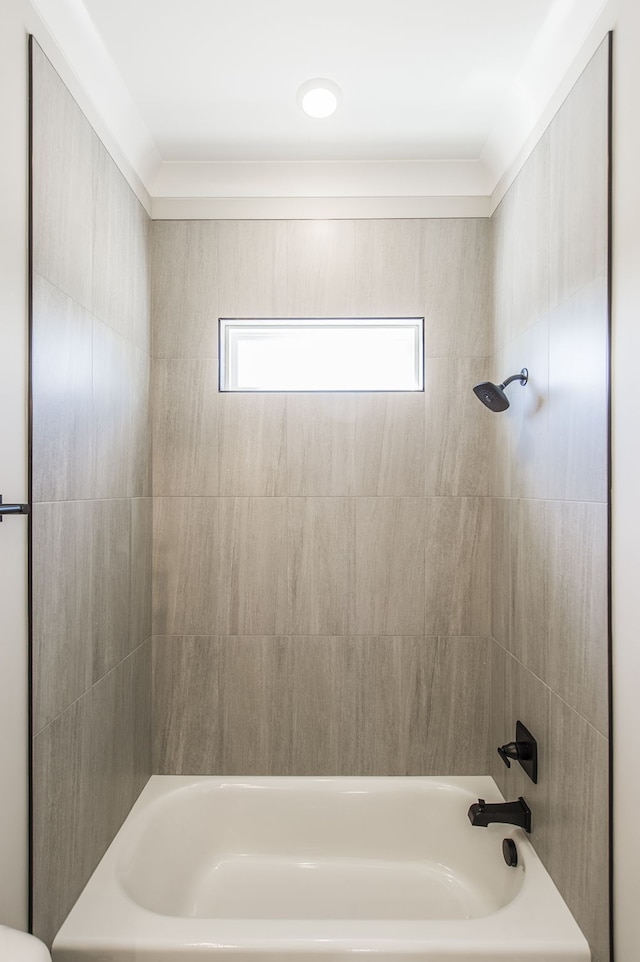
[{"x": 327, "y": 354}]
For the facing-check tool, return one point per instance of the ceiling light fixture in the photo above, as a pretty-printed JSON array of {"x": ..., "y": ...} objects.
[{"x": 319, "y": 98}]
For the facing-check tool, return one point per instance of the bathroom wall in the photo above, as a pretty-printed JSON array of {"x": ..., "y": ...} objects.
[
  {"x": 549, "y": 557},
  {"x": 91, "y": 518},
  {"x": 321, "y": 576}
]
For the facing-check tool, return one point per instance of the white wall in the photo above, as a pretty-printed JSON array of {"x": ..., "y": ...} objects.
[
  {"x": 13, "y": 463},
  {"x": 626, "y": 477}
]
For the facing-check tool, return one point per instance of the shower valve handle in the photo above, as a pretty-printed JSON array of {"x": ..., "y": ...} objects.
[
  {"x": 12, "y": 508},
  {"x": 518, "y": 751}
]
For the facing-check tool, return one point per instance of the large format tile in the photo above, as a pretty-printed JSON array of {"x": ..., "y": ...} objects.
[
  {"x": 252, "y": 566},
  {"x": 252, "y": 444},
  {"x": 459, "y": 431},
  {"x": 578, "y": 857},
  {"x": 320, "y": 447},
  {"x": 63, "y": 154},
  {"x": 577, "y": 559},
  {"x": 112, "y": 413},
  {"x": 62, "y": 818},
  {"x": 110, "y": 584},
  {"x": 186, "y": 729},
  {"x": 185, "y": 427},
  {"x": 61, "y": 395},
  {"x": 116, "y": 771},
  {"x": 252, "y": 265},
  {"x": 184, "y": 288},
  {"x": 444, "y": 705},
  {"x": 390, "y": 444},
  {"x": 140, "y": 467},
  {"x": 141, "y": 570},
  {"x": 519, "y": 567},
  {"x": 578, "y": 389},
  {"x": 521, "y": 238},
  {"x": 321, "y": 546},
  {"x": 62, "y": 615},
  {"x": 120, "y": 262},
  {"x": 390, "y": 553},
  {"x": 579, "y": 138},
  {"x": 320, "y": 276},
  {"x": 185, "y": 560},
  {"x": 457, "y": 288},
  {"x": 389, "y": 268},
  {"x": 521, "y": 463},
  {"x": 457, "y": 543}
]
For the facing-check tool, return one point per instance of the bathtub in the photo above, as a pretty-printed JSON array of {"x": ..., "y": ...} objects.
[{"x": 312, "y": 869}]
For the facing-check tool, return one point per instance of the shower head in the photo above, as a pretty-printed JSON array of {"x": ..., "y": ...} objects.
[{"x": 493, "y": 396}]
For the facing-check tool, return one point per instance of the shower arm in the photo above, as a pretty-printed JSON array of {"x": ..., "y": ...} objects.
[{"x": 522, "y": 377}]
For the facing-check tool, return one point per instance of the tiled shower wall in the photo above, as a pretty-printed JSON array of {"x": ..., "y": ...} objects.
[
  {"x": 91, "y": 518},
  {"x": 549, "y": 559},
  {"x": 321, "y": 562}
]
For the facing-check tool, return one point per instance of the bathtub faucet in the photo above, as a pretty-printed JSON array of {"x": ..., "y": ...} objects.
[{"x": 511, "y": 813}]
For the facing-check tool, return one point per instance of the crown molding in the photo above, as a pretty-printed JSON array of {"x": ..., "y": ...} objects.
[{"x": 322, "y": 189}]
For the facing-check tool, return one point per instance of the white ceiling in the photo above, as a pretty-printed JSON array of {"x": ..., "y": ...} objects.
[
  {"x": 421, "y": 79},
  {"x": 451, "y": 88}
]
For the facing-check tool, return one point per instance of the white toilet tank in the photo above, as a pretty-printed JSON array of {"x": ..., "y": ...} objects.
[{"x": 19, "y": 947}]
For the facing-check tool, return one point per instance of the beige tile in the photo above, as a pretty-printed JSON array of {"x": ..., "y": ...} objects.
[
  {"x": 321, "y": 444},
  {"x": 311, "y": 707},
  {"x": 390, "y": 444},
  {"x": 62, "y": 615},
  {"x": 245, "y": 692},
  {"x": 120, "y": 262},
  {"x": 390, "y": 551},
  {"x": 252, "y": 264},
  {"x": 445, "y": 686},
  {"x": 140, "y": 450},
  {"x": 61, "y": 395},
  {"x": 457, "y": 554},
  {"x": 141, "y": 570},
  {"x": 578, "y": 395},
  {"x": 321, "y": 546},
  {"x": 519, "y": 572},
  {"x": 576, "y": 564},
  {"x": 185, "y": 427},
  {"x": 374, "y": 671},
  {"x": 184, "y": 288},
  {"x": 116, "y": 772},
  {"x": 389, "y": 268},
  {"x": 521, "y": 238},
  {"x": 577, "y": 858},
  {"x": 252, "y": 566},
  {"x": 62, "y": 824},
  {"x": 320, "y": 268},
  {"x": 579, "y": 188},
  {"x": 456, "y": 272},
  {"x": 459, "y": 431},
  {"x": 112, "y": 413},
  {"x": 253, "y": 444},
  {"x": 110, "y": 584},
  {"x": 186, "y": 727},
  {"x": 185, "y": 560},
  {"x": 521, "y": 466},
  {"x": 64, "y": 149}
]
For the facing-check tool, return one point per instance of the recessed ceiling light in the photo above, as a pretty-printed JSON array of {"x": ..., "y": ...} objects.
[{"x": 319, "y": 97}]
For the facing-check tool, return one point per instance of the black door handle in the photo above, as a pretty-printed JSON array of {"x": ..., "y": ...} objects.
[{"x": 12, "y": 508}]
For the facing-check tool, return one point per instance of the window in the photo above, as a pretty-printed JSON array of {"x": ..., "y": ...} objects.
[{"x": 322, "y": 354}]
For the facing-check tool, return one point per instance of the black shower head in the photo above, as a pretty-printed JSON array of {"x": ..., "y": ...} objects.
[{"x": 493, "y": 396}]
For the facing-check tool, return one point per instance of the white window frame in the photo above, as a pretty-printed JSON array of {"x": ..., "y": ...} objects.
[{"x": 228, "y": 374}]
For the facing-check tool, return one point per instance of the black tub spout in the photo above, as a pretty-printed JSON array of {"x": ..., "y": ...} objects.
[{"x": 510, "y": 813}]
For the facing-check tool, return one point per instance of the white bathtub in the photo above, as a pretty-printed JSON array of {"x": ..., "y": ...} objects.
[{"x": 312, "y": 869}]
